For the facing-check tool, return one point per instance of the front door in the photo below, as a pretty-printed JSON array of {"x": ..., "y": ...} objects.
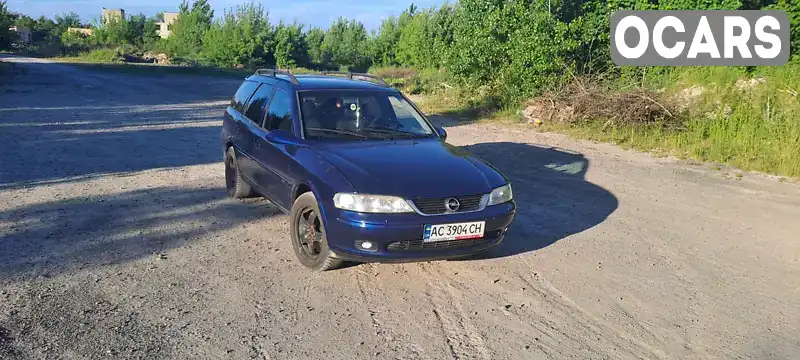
[{"x": 274, "y": 156}]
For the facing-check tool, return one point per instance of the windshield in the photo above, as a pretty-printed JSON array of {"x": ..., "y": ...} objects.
[{"x": 359, "y": 115}]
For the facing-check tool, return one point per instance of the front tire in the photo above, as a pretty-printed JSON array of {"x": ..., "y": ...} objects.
[
  {"x": 309, "y": 239},
  {"x": 235, "y": 185}
]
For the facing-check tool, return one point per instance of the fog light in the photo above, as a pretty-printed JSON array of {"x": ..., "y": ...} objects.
[{"x": 366, "y": 245}]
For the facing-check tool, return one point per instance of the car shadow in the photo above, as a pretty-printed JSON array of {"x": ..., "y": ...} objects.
[{"x": 554, "y": 199}]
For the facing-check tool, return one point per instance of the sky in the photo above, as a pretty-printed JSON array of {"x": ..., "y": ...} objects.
[{"x": 319, "y": 13}]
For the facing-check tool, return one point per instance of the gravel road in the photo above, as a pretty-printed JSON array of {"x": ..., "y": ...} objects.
[{"x": 117, "y": 241}]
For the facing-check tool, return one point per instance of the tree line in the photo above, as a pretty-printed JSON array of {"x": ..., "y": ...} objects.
[{"x": 516, "y": 46}]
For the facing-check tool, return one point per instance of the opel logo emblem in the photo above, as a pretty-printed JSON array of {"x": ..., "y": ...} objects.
[{"x": 452, "y": 204}]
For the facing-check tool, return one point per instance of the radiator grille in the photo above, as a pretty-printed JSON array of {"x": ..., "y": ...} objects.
[{"x": 434, "y": 206}]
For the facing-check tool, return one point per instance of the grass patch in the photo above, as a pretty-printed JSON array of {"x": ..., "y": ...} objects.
[{"x": 747, "y": 120}]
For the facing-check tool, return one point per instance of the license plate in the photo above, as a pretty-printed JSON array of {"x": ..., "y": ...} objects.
[{"x": 460, "y": 231}]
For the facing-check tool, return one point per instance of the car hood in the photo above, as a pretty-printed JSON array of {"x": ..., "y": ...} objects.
[{"x": 411, "y": 168}]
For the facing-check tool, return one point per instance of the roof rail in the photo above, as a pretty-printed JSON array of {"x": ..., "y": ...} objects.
[
  {"x": 275, "y": 72},
  {"x": 351, "y": 75}
]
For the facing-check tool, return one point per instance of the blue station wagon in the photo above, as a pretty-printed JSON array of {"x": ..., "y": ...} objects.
[{"x": 363, "y": 174}]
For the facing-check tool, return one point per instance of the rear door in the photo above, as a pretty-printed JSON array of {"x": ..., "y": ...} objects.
[
  {"x": 253, "y": 118},
  {"x": 276, "y": 158},
  {"x": 234, "y": 119}
]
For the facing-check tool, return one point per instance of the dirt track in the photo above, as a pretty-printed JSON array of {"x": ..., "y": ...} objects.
[{"x": 116, "y": 241}]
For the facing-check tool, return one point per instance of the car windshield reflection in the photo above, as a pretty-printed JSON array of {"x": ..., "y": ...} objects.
[{"x": 361, "y": 115}]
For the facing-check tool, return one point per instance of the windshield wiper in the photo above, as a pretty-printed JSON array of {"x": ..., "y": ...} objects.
[
  {"x": 338, "y": 131},
  {"x": 396, "y": 132}
]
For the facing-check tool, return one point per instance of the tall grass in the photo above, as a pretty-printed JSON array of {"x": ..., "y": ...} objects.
[
  {"x": 751, "y": 122},
  {"x": 747, "y": 119},
  {"x": 96, "y": 56}
]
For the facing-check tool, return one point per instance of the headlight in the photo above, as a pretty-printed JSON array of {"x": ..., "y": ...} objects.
[
  {"x": 371, "y": 203},
  {"x": 501, "y": 195}
]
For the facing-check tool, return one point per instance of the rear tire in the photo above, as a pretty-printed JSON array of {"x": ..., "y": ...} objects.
[
  {"x": 235, "y": 185},
  {"x": 309, "y": 238}
]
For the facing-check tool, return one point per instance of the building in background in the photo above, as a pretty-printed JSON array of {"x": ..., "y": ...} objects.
[
  {"x": 25, "y": 34},
  {"x": 165, "y": 26},
  {"x": 82, "y": 31},
  {"x": 109, "y": 14}
]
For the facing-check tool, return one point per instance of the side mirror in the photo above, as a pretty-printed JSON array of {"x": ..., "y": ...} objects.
[
  {"x": 282, "y": 137},
  {"x": 442, "y": 133}
]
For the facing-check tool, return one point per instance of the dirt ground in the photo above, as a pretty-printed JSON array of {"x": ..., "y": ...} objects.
[{"x": 117, "y": 241}]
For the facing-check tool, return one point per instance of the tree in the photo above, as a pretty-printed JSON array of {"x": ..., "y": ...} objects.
[
  {"x": 291, "y": 49},
  {"x": 385, "y": 42},
  {"x": 792, "y": 9},
  {"x": 190, "y": 28},
  {"x": 441, "y": 30},
  {"x": 478, "y": 41},
  {"x": 242, "y": 37},
  {"x": 45, "y": 30},
  {"x": 75, "y": 42},
  {"x": 24, "y": 21},
  {"x": 314, "y": 38},
  {"x": 6, "y": 20},
  {"x": 143, "y": 30},
  {"x": 699, "y": 4},
  {"x": 415, "y": 45},
  {"x": 346, "y": 45},
  {"x": 115, "y": 31},
  {"x": 66, "y": 21}
]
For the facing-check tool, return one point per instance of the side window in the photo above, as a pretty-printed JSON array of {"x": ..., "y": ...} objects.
[
  {"x": 255, "y": 108},
  {"x": 406, "y": 116},
  {"x": 245, "y": 90},
  {"x": 280, "y": 112}
]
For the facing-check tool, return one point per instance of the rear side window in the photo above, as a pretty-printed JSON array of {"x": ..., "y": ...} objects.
[
  {"x": 280, "y": 112},
  {"x": 245, "y": 90},
  {"x": 255, "y": 108}
]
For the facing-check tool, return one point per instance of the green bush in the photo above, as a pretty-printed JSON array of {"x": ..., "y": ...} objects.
[{"x": 104, "y": 55}]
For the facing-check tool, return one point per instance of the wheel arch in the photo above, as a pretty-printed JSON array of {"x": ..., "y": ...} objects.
[
  {"x": 301, "y": 189},
  {"x": 228, "y": 143},
  {"x": 308, "y": 186}
]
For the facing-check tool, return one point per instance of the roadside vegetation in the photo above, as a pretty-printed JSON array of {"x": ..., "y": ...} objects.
[
  {"x": 543, "y": 64},
  {"x": 748, "y": 118}
]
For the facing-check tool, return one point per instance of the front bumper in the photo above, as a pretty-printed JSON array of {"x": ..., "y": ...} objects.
[{"x": 399, "y": 236}]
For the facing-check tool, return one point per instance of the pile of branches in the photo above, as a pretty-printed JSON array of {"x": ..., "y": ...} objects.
[{"x": 589, "y": 100}]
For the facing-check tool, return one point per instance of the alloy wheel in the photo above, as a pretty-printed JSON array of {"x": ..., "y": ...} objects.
[{"x": 309, "y": 233}]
